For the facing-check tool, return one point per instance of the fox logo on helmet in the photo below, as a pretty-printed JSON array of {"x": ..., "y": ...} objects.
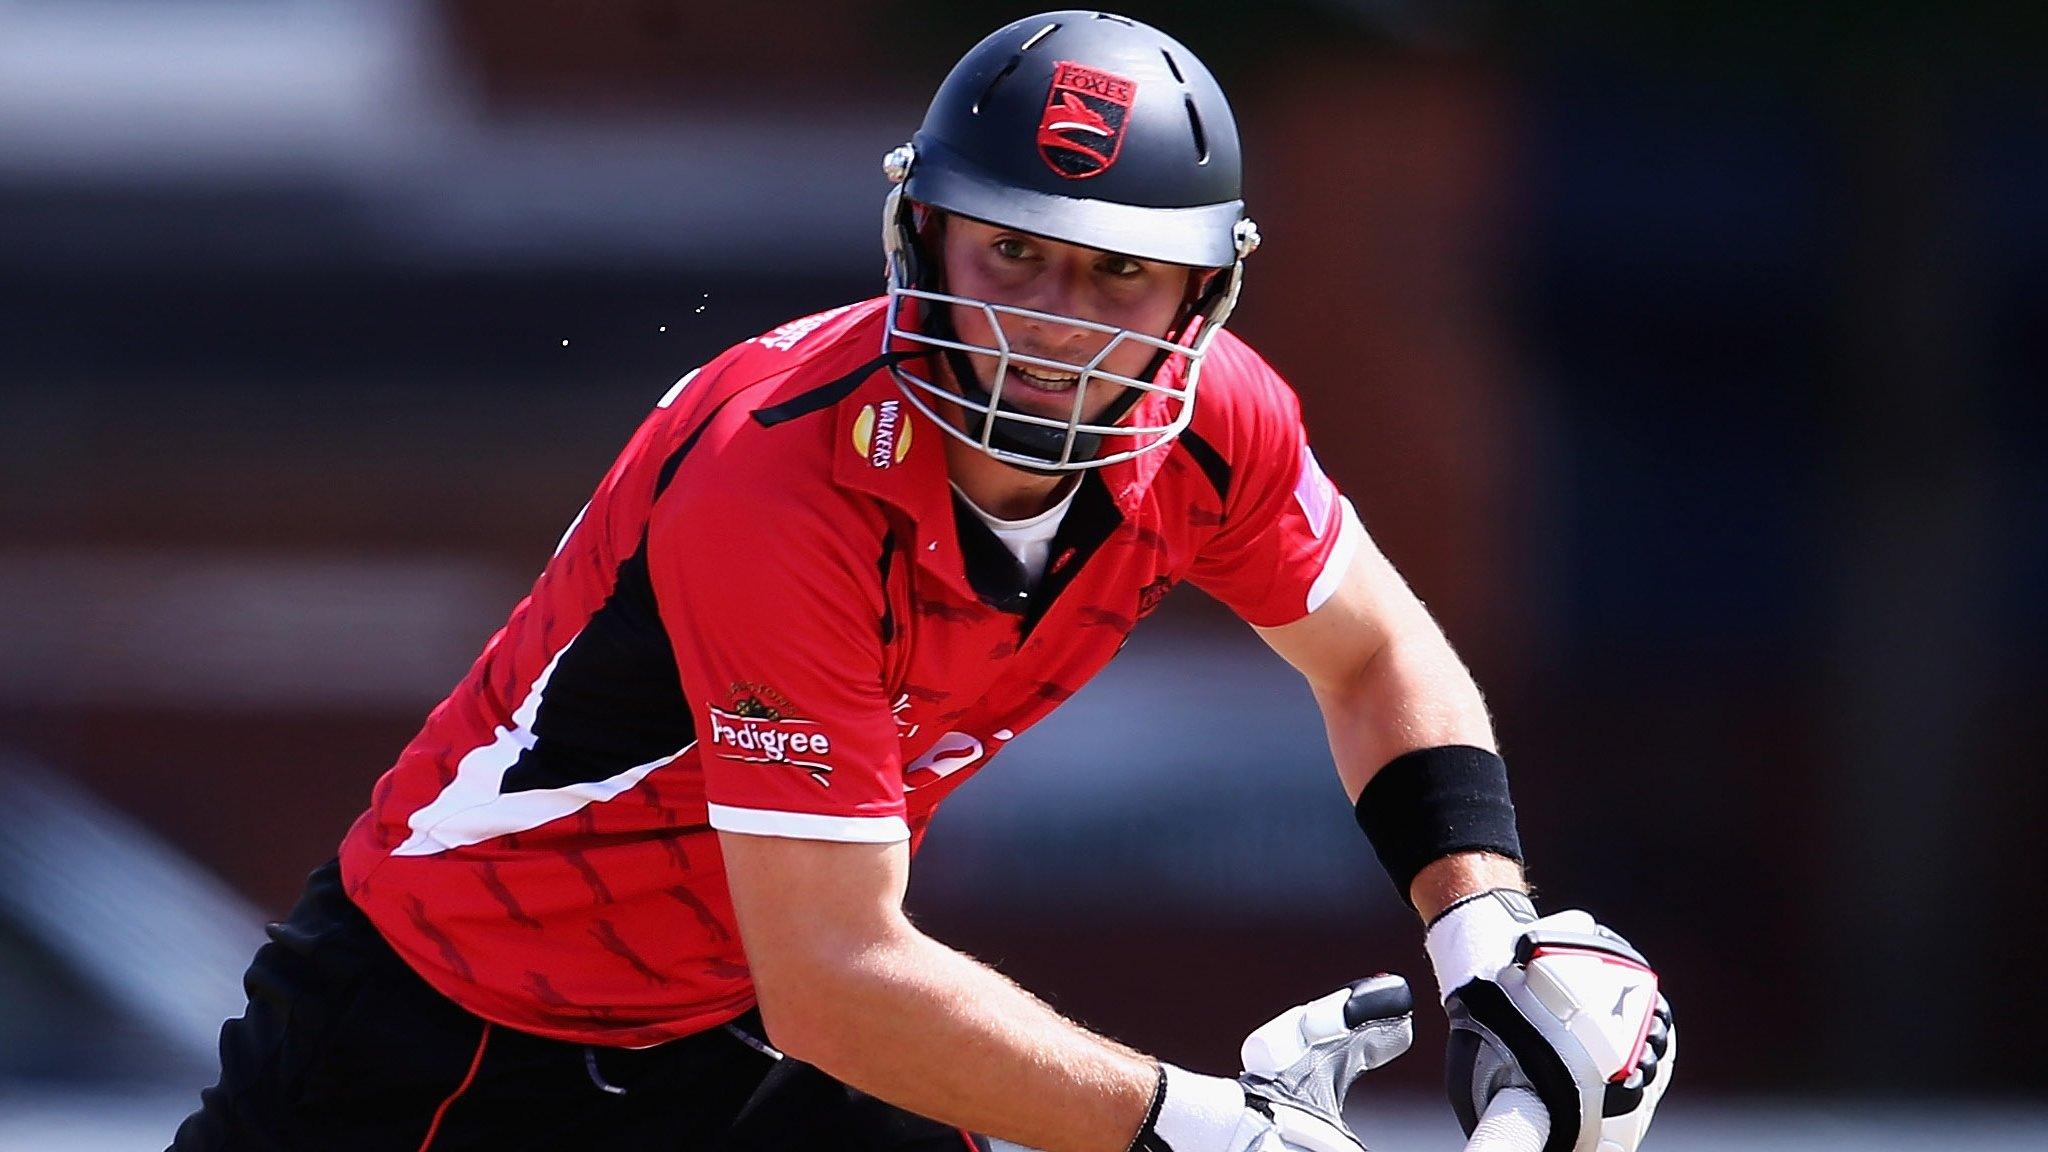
[{"x": 1082, "y": 127}]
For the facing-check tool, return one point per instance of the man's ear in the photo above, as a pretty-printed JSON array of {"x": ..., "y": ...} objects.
[
  {"x": 928, "y": 245},
  {"x": 1200, "y": 281}
]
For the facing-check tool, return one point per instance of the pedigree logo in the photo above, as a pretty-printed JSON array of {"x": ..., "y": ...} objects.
[
  {"x": 881, "y": 434},
  {"x": 753, "y": 733}
]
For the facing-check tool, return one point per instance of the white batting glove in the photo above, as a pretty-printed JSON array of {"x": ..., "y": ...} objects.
[
  {"x": 1560, "y": 1005},
  {"x": 1197, "y": 1113},
  {"x": 1306, "y": 1059},
  {"x": 1298, "y": 1066}
]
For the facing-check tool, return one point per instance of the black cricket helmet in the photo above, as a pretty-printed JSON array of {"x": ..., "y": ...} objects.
[{"x": 1091, "y": 129}]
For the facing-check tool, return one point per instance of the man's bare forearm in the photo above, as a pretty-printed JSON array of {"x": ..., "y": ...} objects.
[
  {"x": 934, "y": 1031},
  {"x": 1415, "y": 693},
  {"x": 1457, "y": 876}
]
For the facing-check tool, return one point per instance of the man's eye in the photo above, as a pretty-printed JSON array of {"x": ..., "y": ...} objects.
[
  {"x": 1010, "y": 249},
  {"x": 1122, "y": 267}
]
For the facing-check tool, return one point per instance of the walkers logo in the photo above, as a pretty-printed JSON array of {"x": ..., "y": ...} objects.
[
  {"x": 755, "y": 732},
  {"x": 881, "y": 433},
  {"x": 1086, "y": 112}
]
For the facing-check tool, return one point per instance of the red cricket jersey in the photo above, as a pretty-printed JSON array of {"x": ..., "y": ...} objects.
[{"x": 773, "y": 618}]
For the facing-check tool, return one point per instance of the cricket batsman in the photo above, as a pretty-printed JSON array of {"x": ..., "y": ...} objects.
[{"x": 637, "y": 884}]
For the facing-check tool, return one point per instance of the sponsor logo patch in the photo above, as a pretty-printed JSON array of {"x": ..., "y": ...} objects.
[
  {"x": 881, "y": 434},
  {"x": 755, "y": 731},
  {"x": 1314, "y": 492},
  {"x": 761, "y": 700},
  {"x": 786, "y": 337},
  {"x": 954, "y": 751},
  {"x": 1082, "y": 128},
  {"x": 900, "y": 711}
]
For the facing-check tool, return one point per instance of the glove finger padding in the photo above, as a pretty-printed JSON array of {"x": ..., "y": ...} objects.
[
  {"x": 1577, "y": 1017},
  {"x": 1309, "y": 1056},
  {"x": 1630, "y": 1104},
  {"x": 1298, "y": 1130},
  {"x": 1298, "y": 1066}
]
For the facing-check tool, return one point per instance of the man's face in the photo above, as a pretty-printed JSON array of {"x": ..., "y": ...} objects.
[{"x": 1005, "y": 266}]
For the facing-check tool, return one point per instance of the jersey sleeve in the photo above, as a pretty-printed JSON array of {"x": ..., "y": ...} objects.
[
  {"x": 1287, "y": 533},
  {"x": 773, "y": 608}
]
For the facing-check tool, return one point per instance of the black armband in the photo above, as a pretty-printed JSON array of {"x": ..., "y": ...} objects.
[{"x": 1432, "y": 803}]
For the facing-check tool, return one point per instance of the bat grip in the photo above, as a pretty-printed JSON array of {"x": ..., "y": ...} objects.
[{"x": 1516, "y": 1121}]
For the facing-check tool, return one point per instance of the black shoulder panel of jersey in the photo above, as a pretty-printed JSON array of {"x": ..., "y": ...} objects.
[
  {"x": 615, "y": 700},
  {"x": 1214, "y": 466},
  {"x": 825, "y": 395}
]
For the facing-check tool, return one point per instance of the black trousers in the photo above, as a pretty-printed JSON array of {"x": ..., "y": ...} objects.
[{"x": 343, "y": 1047}]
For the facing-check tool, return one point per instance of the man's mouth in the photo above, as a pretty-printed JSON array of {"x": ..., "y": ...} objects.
[{"x": 1041, "y": 380}]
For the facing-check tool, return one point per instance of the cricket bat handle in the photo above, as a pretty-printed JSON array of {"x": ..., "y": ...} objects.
[{"x": 1516, "y": 1121}]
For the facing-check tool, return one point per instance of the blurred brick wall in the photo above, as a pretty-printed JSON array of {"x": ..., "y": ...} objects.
[
  {"x": 619, "y": 55},
  {"x": 1384, "y": 190}
]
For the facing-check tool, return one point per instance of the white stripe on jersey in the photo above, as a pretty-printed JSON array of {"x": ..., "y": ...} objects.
[
  {"x": 676, "y": 389},
  {"x": 1348, "y": 539},
  {"x": 472, "y": 809},
  {"x": 809, "y": 825},
  {"x": 571, "y": 529}
]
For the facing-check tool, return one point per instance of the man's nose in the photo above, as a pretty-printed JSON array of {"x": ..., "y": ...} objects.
[{"x": 1065, "y": 294}]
